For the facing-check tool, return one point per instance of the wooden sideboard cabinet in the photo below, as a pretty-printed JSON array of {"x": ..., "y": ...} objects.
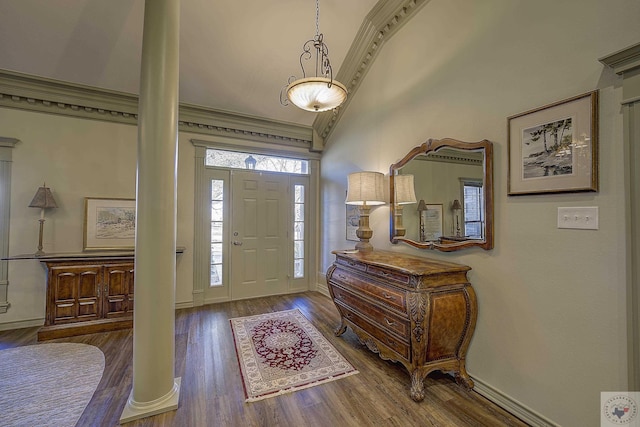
[
  {"x": 87, "y": 295},
  {"x": 417, "y": 311}
]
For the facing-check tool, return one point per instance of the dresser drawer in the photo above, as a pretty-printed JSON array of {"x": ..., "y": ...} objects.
[
  {"x": 352, "y": 264},
  {"x": 394, "y": 344},
  {"x": 385, "y": 318},
  {"x": 388, "y": 275},
  {"x": 387, "y": 295}
]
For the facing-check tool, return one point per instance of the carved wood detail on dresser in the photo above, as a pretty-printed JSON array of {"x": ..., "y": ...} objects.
[{"x": 417, "y": 311}]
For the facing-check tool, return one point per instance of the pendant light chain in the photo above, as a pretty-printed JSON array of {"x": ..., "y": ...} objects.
[{"x": 317, "y": 18}]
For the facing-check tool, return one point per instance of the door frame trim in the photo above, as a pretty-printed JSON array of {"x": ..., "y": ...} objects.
[{"x": 200, "y": 245}]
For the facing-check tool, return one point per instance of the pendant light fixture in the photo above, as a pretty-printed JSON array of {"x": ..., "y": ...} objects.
[{"x": 319, "y": 92}]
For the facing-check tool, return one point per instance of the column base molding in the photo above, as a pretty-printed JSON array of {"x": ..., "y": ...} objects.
[{"x": 135, "y": 410}]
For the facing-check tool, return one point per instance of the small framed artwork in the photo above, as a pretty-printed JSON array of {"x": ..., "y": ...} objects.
[
  {"x": 554, "y": 149},
  {"x": 431, "y": 223},
  {"x": 352, "y": 221},
  {"x": 109, "y": 224}
]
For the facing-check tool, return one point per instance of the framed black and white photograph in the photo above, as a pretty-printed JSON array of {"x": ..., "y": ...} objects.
[
  {"x": 109, "y": 223},
  {"x": 554, "y": 149}
]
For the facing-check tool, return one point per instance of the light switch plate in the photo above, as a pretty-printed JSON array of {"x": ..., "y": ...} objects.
[{"x": 582, "y": 218}]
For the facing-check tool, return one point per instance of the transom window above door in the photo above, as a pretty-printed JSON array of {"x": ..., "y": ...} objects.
[{"x": 259, "y": 162}]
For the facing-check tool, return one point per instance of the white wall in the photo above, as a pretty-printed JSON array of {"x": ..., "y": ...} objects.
[
  {"x": 551, "y": 330},
  {"x": 76, "y": 158}
]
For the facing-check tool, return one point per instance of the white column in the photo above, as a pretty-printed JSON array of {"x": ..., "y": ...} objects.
[{"x": 155, "y": 389}]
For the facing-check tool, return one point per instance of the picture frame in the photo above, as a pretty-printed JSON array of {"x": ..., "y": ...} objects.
[
  {"x": 109, "y": 224},
  {"x": 352, "y": 222},
  {"x": 554, "y": 149},
  {"x": 431, "y": 223}
]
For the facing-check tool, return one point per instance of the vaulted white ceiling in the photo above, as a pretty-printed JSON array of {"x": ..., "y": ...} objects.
[{"x": 234, "y": 55}]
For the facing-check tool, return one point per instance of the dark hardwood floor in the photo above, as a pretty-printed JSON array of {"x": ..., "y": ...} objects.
[{"x": 212, "y": 393}]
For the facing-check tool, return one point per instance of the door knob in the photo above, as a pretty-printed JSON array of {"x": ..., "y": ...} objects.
[{"x": 237, "y": 243}]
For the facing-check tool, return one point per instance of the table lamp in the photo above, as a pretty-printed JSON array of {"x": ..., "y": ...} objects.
[
  {"x": 365, "y": 189},
  {"x": 43, "y": 200}
]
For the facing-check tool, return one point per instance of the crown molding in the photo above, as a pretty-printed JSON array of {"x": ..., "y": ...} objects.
[
  {"x": 8, "y": 142},
  {"x": 39, "y": 94},
  {"x": 384, "y": 20},
  {"x": 624, "y": 60},
  {"x": 44, "y": 95},
  {"x": 454, "y": 156}
]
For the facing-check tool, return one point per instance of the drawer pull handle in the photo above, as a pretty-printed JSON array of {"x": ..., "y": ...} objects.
[
  {"x": 385, "y": 274},
  {"x": 348, "y": 315},
  {"x": 389, "y": 323},
  {"x": 390, "y": 342},
  {"x": 387, "y": 296}
]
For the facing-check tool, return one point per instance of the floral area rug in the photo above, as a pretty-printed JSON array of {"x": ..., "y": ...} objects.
[{"x": 282, "y": 352}]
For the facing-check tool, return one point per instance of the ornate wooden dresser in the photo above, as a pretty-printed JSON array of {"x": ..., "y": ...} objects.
[{"x": 417, "y": 311}]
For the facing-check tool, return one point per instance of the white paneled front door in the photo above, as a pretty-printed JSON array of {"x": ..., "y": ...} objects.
[{"x": 259, "y": 226}]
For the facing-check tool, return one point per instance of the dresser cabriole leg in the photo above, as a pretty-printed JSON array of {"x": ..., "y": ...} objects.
[
  {"x": 417, "y": 385},
  {"x": 341, "y": 329},
  {"x": 463, "y": 378}
]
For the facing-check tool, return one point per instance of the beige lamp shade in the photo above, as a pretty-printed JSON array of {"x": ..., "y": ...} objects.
[
  {"x": 43, "y": 199},
  {"x": 456, "y": 206},
  {"x": 404, "y": 189},
  {"x": 365, "y": 188}
]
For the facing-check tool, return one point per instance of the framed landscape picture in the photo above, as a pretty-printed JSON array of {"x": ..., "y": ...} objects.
[
  {"x": 109, "y": 223},
  {"x": 554, "y": 149},
  {"x": 352, "y": 222}
]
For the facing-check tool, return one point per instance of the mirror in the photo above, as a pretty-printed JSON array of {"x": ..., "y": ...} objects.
[{"x": 442, "y": 196}]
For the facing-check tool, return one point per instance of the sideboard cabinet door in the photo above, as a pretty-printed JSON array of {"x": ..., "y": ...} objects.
[
  {"x": 118, "y": 298},
  {"x": 74, "y": 294}
]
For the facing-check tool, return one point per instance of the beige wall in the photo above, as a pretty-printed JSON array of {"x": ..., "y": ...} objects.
[
  {"x": 551, "y": 331},
  {"x": 77, "y": 158}
]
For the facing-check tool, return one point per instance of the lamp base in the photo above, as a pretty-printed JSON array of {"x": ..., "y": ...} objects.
[
  {"x": 363, "y": 246},
  {"x": 39, "y": 253}
]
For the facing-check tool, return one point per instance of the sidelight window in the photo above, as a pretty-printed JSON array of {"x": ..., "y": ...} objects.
[
  {"x": 298, "y": 231},
  {"x": 217, "y": 235}
]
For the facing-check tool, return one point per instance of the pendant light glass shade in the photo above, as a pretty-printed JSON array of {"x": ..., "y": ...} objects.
[{"x": 316, "y": 94}]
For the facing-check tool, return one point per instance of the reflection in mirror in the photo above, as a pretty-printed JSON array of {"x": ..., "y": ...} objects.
[{"x": 449, "y": 204}]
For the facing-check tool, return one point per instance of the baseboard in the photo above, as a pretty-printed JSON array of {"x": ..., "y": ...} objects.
[
  {"x": 321, "y": 284},
  {"x": 21, "y": 324},
  {"x": 185, "y": 304},
  {"x": 323, "y": 289},
  {"x": 511, "y": 405}
]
